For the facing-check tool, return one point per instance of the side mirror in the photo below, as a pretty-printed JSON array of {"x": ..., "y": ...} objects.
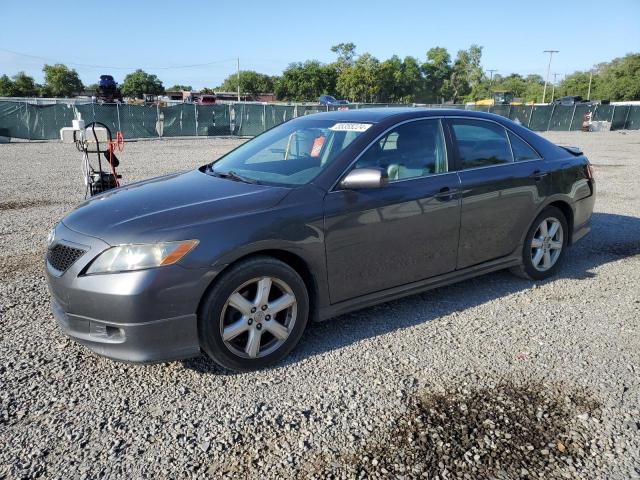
[{"x": 365, "y": 178}]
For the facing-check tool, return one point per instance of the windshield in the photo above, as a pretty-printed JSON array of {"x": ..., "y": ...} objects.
[{"x": 291, "y": 154}]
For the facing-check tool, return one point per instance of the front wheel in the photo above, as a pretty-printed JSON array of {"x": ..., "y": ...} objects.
[
  {"x": 544, "y": 245},
  {"x": 254, "y": 315}
]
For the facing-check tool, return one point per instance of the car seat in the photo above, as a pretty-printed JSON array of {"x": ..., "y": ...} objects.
[{"x": 415, "y": 154}]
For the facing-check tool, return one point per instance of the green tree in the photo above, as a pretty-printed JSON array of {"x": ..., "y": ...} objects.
[
  {"x": 60, "y": 81},
  {"x": 458, "y": 82},
  {"x": 179, "y": 87},
  {"x": 511, "y": 83},
  {"x": 360, "y": 82},
  {"x": 6, "y": 87},
  {"x": 390, "y": 80},
  {"x": 139, "y": 82},
  {"x": 251, "y": 82},
  {"x": 346, "y": 53},
  {"x": 306, "y": 81},
  {"x": 469, "y": 71},
  {"x": 207, "y": 91},
  {"x": 620, "y": 79},
  {"x": 24, "y": 85},
  {"x": 534, "y": 90},
  {"x": 437, "y": 74},
  {"x": 576, "y": 83}
]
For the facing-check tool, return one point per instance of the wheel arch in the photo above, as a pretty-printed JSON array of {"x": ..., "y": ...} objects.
[
  {"x": 564, "y": 206},
  {"x": 293, "y": 260},
  {"x": 566, "y": 209}
]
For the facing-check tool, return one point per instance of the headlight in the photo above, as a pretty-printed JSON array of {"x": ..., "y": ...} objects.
[
  {"x": 51, "y": 237},
  {"x": 125, "y": 258}
]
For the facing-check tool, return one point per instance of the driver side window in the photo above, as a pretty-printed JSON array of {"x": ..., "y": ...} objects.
[{"x": 411, "y": 150}]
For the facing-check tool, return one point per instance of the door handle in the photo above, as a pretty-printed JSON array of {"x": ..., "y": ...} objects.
[
  {"x": 538, "y": 175},
  {"x": 445, "y": 194}
]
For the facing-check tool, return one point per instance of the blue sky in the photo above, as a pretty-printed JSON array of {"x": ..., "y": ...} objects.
[{"x": 95, "y": 37}]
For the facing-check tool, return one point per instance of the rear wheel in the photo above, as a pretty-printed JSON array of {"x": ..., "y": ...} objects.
[
  {"x": 254, "y": 315},
  {"x": 544, "y": 245}
]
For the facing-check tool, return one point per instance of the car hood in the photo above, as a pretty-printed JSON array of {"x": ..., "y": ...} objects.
[{"x": 161, "y": 208}]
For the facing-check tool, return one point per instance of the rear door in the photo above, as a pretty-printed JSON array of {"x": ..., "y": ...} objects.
[
  {"x": 404, "y": 232},
  {"x": 500, "y": 192}
]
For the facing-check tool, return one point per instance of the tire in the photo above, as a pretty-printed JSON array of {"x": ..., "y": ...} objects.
[
  {"x": 539, "y": 263},
  {"x": 235, "y": 314}
]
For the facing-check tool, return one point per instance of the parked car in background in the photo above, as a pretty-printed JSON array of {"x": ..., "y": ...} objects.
[
  {"x": 329, "y": 100},
  {"x": 319, "y": 216}
]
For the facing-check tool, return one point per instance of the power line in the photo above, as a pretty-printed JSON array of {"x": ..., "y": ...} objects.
[{"x": 111, "y": 67}]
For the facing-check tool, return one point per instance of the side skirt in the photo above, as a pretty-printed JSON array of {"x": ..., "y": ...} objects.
[{"x": 415, "y": 287}]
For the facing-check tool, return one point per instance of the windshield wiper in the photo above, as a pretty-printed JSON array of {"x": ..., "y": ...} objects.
[{"x": 234, "y": 176}]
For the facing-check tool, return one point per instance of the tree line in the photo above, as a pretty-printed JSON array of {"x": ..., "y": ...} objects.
[{"x": 437, "y": 78}]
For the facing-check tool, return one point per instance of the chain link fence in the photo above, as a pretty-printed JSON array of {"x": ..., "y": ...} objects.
[{"x": 26, "y": 120}]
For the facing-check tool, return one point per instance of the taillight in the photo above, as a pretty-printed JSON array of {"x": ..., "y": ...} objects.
[{"x": 588, "y": 171}]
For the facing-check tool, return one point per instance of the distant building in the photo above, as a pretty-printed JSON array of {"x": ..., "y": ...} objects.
[{"x": 193, "y": 96}]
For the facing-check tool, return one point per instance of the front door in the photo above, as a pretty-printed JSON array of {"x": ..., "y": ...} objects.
[{"x": 401, "y": 233}]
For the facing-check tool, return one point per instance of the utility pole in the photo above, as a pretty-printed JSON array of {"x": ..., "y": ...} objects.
[
  {"x": 590, "y": 79},
  {"x": 491, "y": 75},
  {"x": 238, "y": 78},
  {"x": 546, "y": 81},
  {"x": 553, "y": 90}
]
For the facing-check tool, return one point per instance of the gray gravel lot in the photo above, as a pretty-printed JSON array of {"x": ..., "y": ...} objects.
[{"x": 495, "y": 377}]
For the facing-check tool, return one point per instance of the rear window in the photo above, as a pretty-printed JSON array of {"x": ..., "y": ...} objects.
[
  {"x": 521, "y": 149},
  {"x": 481, "y": 143}
]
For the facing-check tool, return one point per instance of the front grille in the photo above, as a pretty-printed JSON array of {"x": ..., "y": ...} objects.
[{"x": 61, "y": 257}]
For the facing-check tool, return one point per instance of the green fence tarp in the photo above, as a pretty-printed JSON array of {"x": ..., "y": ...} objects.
[
  {"x": 619, "y": 117},
  {"x": 561, "y": 116},
  {"x": 520, "y": 114},
  {"x": 277, "y": 114},
  {"x": 179, "y": 120},
  {"x": 579, "y": 112},
  {"x": 42, "y": 122},
  {"x": 14, "y": 120},
  {"x": 633, "y": 118},
  {"x": 540, "y": 116},
  {"x": 138, "y": 121}
]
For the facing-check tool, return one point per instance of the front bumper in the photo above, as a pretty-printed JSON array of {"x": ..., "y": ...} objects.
[
  {"x": 149, "y": 342},
  {"x": 143, "y": 316}
]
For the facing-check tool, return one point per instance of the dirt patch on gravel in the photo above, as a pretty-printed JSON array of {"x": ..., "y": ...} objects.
[
  {"x": 508, "y": 431},
  {"x": 20, "y": 204},
  {"x": 11, "y": 265}
]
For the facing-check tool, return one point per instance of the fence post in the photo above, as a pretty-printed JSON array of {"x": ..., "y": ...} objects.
[
  {"x": 626, "y": 117},
  {"x": 573, "y": 115},
  {"x": 553, "y": 109},
  {"x": 118, "y": 112},
  {"x": 530, "y": 115},
  {"x": 195, "y": 112},
  {"x": 264, "y": 117},
  {"x": 613, "y": 114}
]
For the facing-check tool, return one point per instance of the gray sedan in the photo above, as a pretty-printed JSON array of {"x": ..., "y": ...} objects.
[{"x": 319, "y": 216}]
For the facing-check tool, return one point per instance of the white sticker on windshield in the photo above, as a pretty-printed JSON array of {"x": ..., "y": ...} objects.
[{"x": 350, "y": 127}]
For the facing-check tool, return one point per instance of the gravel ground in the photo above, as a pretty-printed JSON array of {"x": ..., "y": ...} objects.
[{"x": 495, "y": 377}]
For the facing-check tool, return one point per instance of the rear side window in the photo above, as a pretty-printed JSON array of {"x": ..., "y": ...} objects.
[
  {"x": 480, "y": 143},
  {"x": 521, "y": 149}
]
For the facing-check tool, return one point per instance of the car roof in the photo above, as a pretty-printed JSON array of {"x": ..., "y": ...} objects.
[{"x": 379, "y": 114}]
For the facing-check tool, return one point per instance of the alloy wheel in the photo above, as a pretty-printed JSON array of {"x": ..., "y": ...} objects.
[
  {"x": 258, "y": 317},
  {"x": 546, "y": 244}
]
